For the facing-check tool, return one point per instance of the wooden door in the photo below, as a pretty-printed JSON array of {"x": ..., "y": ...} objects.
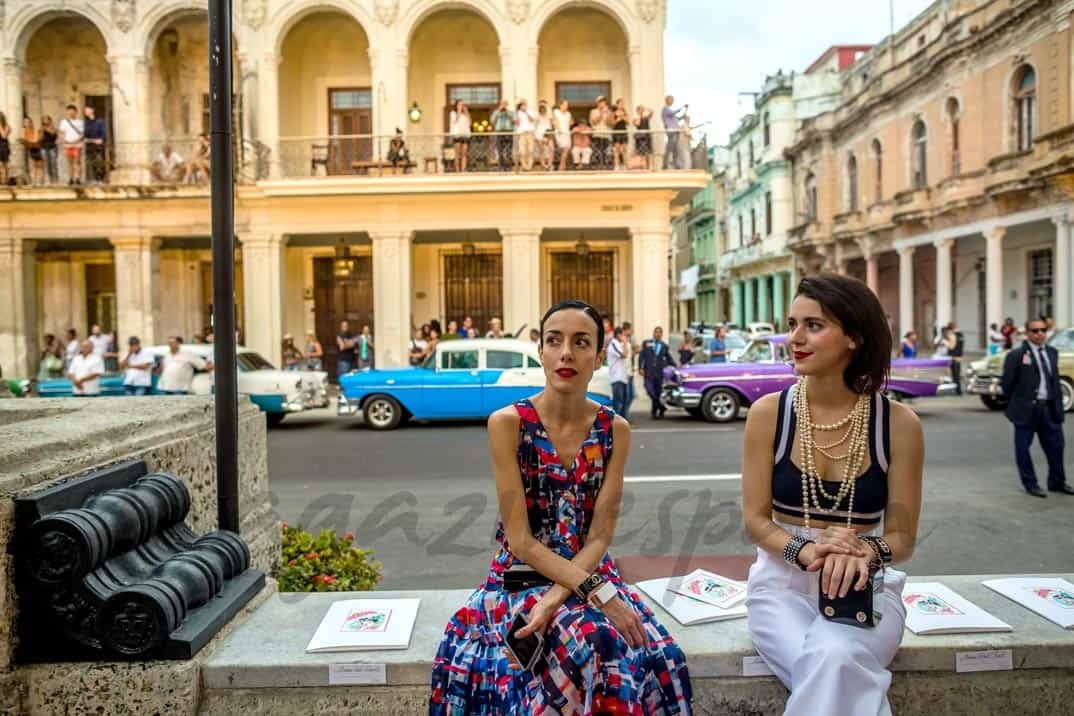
[
  {"x": 590, "y": 278},
  {"x": 473, "y": 286},
  {"x": 335, "y": 300},
  {"x": 101, "y": 296},
  {"x": 350, "y": 112}
]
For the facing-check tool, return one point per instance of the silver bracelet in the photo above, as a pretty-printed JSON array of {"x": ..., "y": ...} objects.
[{"x": 793, "y": 548}]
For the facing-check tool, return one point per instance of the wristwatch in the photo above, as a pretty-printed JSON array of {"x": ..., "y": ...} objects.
[
  {"x": 589, "y": 584},
  {"x": 603, "y": 594}
]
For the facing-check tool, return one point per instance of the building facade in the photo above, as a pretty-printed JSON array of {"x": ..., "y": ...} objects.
[
  {"x": 704, "y": 226},
  {"x": 942, "y": 178},
  {"x": 324, "y": 231}
]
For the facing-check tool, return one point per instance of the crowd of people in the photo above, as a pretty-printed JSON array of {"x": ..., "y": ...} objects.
[
  {"x": 555, "y": 138},
  {"x": 83, "y": 140}
]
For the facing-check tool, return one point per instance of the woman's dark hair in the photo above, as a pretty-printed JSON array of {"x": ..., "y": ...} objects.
[
  {"x": 580, "y": 306},
  {"x": 859, "y": 313}
]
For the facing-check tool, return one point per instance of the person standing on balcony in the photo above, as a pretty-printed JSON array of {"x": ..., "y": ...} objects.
[
  {"x": 503, "y": 124},
  {"x": 643, "y": 137},
  {"x": 525, "y": 124},
  {"x": 96, "y": 133},
  {"x": 545, "y": 137},
  {"x": 5, "y": 148},
  {"x": 31, "y": 141},
  {"x": 673, "y": 127},
  {"x": 169, "y": 167},
  {"x": 200, "y": 164},
  {"x": 561, "y": 125},
  {"x": 73, "y": 131},
  {"x": 601, "y": 124},
  {"x": 49, "y": 137},
  {"x": 620, "y": 135},
  {"x": 582, "y": 152},
  {"x": 459, "y": 125}
]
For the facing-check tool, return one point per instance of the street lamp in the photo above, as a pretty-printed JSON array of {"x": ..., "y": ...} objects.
[
  {"x": 343, "y": 265},
  {"x": 582, "y": 247},
  {"x": 414, "y": 113}
]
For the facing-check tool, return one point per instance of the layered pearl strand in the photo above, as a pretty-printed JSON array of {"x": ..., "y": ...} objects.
[{"x": 857, "y": 424}]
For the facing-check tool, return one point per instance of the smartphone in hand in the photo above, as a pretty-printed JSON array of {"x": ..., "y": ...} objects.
[{"x": 528, "y": 651}]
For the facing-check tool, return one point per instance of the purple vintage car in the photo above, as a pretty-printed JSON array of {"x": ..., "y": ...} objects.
[{"x": 716, "y": 391}]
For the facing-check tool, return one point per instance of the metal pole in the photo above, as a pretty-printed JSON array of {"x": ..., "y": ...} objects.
[{"x": 223, "y": 252}]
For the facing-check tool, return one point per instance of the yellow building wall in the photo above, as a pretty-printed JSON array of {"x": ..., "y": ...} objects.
[
  {"x": 583, "y": 45},
  {"x": 65, "y": 61},
  {"x": 178, "y": 79},
  {"x": 449, "y": 47},
  {"x": 341, "y": 49}
]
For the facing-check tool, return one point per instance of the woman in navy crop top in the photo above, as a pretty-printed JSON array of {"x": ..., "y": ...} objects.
[{"x": 831, "y": 486}]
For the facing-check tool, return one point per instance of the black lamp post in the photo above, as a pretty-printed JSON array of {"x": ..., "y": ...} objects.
[{"x": 223, "y": 252}]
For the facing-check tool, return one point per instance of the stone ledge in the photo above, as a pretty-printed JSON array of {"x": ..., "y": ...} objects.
[{"x": 268, "y": 651}]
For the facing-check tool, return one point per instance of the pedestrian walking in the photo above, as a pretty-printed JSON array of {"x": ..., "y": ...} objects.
[
  {"x": 1035, "y": 407},
  {"x": 812, "y": 545},
  {"x": 718, "y": 346},
  {"x": 908, "y": 347},
  {"x": 345, "y": 343},
  {"x": 314, "y": 352},
  {"x": 177, "y": 368},
  {"x": 1008, "y": 330},
  {"x": 71, "y": 347},
  {"x": 632, "y": 352},
  {"x": 956, "y": 344},
  {"x": 85, "y": 371},
  {"x": 292, "y": 357},
  {"x": 655, "y": 357},
  {"x": 996, "y": 339},
  {"x": 618, "y": 370},
  {"x": 686, "y": 349},
  {"x": 559, "y": 483},
  {"x": 137, "y": 366},
  {"x": 364, "y": 348},
  {"x": 51, "y": 363}
]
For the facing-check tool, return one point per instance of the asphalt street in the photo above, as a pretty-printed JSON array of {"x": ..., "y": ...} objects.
[{"x": 422, "y": 497}]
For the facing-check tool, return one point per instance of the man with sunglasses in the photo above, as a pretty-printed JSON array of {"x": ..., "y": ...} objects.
[{"x": 1034, "y": 405}]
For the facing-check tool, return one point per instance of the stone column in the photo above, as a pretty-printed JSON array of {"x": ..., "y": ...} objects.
[
  {"x": 391, "y": 297},
  {"x": 1064, "y": 267},
  {"x": 748, "y": 314},
  {"x": 268, "y": 111},
  {"x": 263, "y": 284},
  {"x": 738, "y": 303},
  {"x": 944, "y": 299},
  {"x": 868, "y": 252},
  {"x": 12, "y": 108},
  {"x": 521, "y": 278},
  {"x": 18, "y": 308},
  {"x": 130, "y": 119},
  {"x": 763, "y": 306},
  {"x": 779, "y": 301},
  {"x": 906, "y": 289},
  {"x": 993, "y": 275},
  {"x": 137, "y": 263},
  {"x": 651, "y": 304}
]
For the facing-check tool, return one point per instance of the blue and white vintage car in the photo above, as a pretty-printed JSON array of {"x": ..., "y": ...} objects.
[
  {"x": 463, "y": 379},
  {"x": 276, "y": 392}
]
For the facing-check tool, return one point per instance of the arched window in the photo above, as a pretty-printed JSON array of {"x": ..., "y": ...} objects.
[
  {"x": 954, "y": 114},
  {"x": 852, "y": 183},
  {"x": 811, "y": 196},
  {"x": 919, "y": 154},
  {"x": 878, "y": 170},
  {"x": 1025, "y": 107}
]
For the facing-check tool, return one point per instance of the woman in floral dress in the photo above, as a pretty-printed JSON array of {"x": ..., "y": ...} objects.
[{"x": 559, "y": 483}]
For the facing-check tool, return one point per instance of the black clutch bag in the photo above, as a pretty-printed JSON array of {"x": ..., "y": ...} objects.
[
  {"x": 519, "y": 580},
  {"x": 856, "y": 608}
]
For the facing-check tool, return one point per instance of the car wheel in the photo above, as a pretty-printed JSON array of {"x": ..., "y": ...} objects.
[
  {"x": 993, "y": 403},
  {"x": 382, "y": 412},
  {"x": 720, "y": 405},
  {"x": 274, "y": 419},
  {"x": 696, "y": 413},
  {"x": 1066, "y": 388}
]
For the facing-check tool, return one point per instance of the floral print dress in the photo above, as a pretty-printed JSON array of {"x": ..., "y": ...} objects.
[{"x": 591, "y": 669}]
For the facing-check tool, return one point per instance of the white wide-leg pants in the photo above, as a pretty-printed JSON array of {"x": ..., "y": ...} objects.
[{"x": 830, "y": 669}]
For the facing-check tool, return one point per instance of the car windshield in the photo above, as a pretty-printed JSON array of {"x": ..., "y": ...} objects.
[
  {"x": 733, "y": 340},
  {"x": 253, "y": 361},
  {"x": 1063, "y": 340},
  {"x": 757, "y": 352}
]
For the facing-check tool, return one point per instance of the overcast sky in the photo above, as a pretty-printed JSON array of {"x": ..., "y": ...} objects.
[{"x": 715, "y": 49}]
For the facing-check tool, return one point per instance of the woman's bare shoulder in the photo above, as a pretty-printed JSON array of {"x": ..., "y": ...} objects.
[
  {"x": 905, "y": 425},
  {"x": 505, "y": 417},
  {"x": 765, "y": 410}
]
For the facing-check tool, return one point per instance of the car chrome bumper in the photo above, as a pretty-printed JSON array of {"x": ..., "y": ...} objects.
[
  {"x": 346, "y": 407},
  {"x": 984, "y": 385},
  {"x": 678, "y": 398},
  {"x": 945, "y": 390}
]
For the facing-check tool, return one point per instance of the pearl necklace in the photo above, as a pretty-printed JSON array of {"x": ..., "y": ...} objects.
[{"x": 858, "y": 434}]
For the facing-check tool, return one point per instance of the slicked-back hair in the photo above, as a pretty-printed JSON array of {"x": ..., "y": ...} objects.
[
  {"x": 580, "y": 306},
  {"x": 859, "y": 313}
]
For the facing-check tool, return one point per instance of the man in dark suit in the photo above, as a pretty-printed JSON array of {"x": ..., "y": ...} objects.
[
  {"x": 655, "y": 356},
  {"x": 1034, "y": 405}
]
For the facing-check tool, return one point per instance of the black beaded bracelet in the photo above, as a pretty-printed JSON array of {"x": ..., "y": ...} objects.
[
  {"x": 793, "y": 548},
  {"x": 883, "y": 551}
]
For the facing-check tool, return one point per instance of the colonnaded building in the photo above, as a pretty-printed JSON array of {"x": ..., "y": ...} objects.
[{"x": 325, "y": 230}]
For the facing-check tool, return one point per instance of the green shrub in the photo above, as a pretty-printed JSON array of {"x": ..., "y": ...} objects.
[{"x": 325, "y": 563}]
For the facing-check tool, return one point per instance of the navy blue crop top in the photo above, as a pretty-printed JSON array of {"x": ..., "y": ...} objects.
[{"x": 871, "y": 490}]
